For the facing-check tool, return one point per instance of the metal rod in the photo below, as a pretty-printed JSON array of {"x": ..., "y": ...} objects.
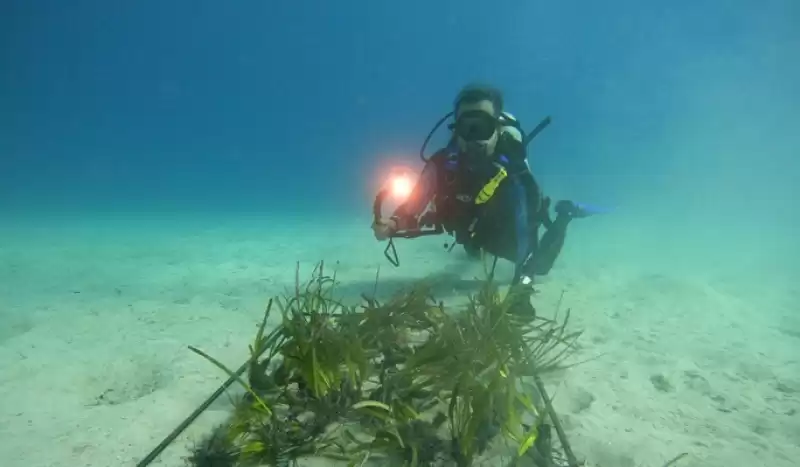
[{"x": 562, "y": 436}]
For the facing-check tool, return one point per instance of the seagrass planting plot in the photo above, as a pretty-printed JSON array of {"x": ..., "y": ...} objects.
[{"x": 408, "y": 382}]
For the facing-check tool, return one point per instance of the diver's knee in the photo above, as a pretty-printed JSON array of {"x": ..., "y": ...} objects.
[
  {"x": 473, "y": 251},
  {"x": 540, "y": 269}
]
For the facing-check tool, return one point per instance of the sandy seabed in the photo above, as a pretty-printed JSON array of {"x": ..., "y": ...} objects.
[{"x": 695, "y": 352}]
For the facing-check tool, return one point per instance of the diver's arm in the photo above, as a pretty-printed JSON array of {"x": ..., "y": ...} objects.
[{"x": 406, "y": 216}]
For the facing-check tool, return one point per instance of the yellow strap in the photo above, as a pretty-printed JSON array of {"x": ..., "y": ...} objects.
[{"x": 488, "y": 190}]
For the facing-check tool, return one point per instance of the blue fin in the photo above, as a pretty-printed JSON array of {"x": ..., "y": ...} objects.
[{"x": 585, "y": 210}]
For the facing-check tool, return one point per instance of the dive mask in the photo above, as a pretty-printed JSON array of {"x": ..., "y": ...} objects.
[{"x": 475, "y": 126}]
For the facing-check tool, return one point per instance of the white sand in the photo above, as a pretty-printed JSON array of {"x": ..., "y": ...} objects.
[{"x": 95, "y": 317}]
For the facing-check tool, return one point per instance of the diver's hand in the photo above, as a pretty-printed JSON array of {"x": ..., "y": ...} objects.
[{"x": 383, "y": 228}]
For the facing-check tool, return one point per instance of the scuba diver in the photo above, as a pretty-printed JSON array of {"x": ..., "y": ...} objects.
[{"x": 480, "y": 189}]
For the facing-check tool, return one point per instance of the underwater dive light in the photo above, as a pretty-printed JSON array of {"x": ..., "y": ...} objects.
[{"x": 400, "y": 186}]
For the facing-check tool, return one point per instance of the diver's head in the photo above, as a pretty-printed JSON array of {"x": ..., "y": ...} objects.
[{"x": 477, "y": 119}]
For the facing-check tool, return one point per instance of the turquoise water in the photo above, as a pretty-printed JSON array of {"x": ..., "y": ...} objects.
[{"x": 164, "y": 167}]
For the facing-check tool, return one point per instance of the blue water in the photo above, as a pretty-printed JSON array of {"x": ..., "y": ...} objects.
[
  {"x": 187, "y": 129},
  {"x": 198, "y": 106}
]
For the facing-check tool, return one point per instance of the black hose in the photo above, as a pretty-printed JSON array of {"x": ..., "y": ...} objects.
[
  {"x": 430, "y": 135},
  {"x": 541, "y": 126}
]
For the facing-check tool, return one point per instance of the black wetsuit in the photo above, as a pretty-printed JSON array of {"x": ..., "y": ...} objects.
[{"x": 506, "y": 226}]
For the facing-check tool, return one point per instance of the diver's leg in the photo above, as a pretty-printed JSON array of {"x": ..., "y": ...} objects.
[
  {"x": 471, "y": 246},
  {"x": 502, "y": 249},
  {"x": 553, "y": 239},
  {"x": 550, "y": 246},
  {"x": 522, "y": 283}
]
